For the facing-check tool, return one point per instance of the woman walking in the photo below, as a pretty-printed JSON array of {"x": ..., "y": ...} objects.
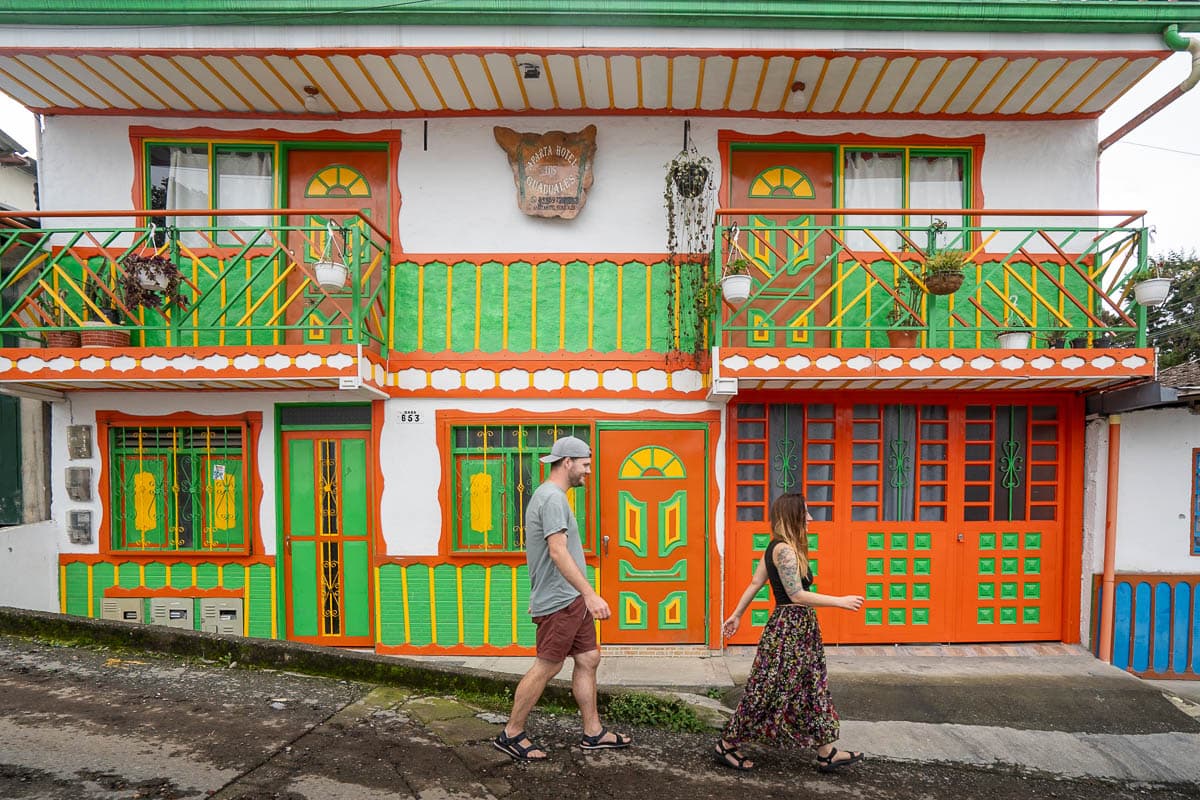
[{"x": 787, "y": 698}]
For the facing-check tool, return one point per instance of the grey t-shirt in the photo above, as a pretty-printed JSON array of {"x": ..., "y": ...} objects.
[{"x": 550, "y": 512}]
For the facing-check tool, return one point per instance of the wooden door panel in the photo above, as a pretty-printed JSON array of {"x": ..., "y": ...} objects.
[{"x": 652, "y": 566}]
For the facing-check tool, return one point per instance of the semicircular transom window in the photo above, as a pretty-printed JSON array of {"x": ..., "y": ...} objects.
[
  {"x": 784, "y": 183},
  {"x": 652, "y": 461},
  {"x": 338, "y": 180}
]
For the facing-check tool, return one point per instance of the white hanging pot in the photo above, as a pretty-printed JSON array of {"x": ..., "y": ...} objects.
[
  {"x": 735, "y": 288},
  {"x": 1014, "y": 340},
  {"x": 152, "y": 281},
  {"x": 1152, "y": 291},
  {"x": 331, "y": 274}
]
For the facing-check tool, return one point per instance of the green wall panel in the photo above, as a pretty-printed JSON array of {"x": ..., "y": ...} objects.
[
  {"x": 104, "y": 576},
  {"x": 129, "y": 575},
  {"x": 233, "y": 576},
  {"x": 604, "y": 320},
  {"x": 356, "y": 575},
  {"x": 633, "y": 308},
  {"x": 181, "y": 576},
  {"x": 262, "y": 600},
  {"x": 434, "y": 309},
  {"x": 491, "y": 312},
  {"x": 462, "y": 318},
  {"x": 500, "y": 616},
  {"x": 406, "y": 291},
  {"x": 419, "y": 622},
  {"x": 445, "y": 586},
  {"x": 549, "y": 281},
  {"x": 156, "y": 575},
  {"x": 391, "y": 605},
  {"x": 576, "y": 330},
  {"x": 208, "y": 576},
  {"x": 306, "y": 614},
  {"x": 520, "y": 289},
  {"x": 526, "y": 630},
  {"x": 76, "y": 600},
  {"x": 302, "y": 512},
  {"x": 473, "y": 584},
  {"x": 354, "y": 487}
]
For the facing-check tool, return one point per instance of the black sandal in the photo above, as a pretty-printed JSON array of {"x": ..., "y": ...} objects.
[
  {"x": 511, "y": 746},
  {"x": 827, "y": 764},
  {"x": 597, "y": 742},
  {"x": 723, "y": 755}
]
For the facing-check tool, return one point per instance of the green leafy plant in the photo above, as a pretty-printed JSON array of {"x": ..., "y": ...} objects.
[
  {"x": 738, "y": 266},
  {"x": 910, "y": 291},
  {"x": 943, "y": 272},
  {"x": 101, "y": 300},
  {"x": 151, "y": 281},
  {"x": 688, "y": 199},
  {"x": 1056, "y": 333},
  {"x": 669, "y": 713},
  {"x": 53, "y": 306}
]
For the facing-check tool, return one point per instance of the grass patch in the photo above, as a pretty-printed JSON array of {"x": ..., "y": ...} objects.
[{"x": 669, "y": 713}]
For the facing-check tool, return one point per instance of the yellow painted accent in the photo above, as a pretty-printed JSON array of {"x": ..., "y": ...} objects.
[
  {"x": 579, "y": 81},
  {"x": 729, "y": 87},
  {"x": 633, "y": 612},
  {"x": 633, "y": 525},
  {"x": 652, "y": 458},
  {"x": 370, "y": 79},
  {"x": 487, "y": 601},
  {"x": 462, "y": 84},
  {"x": 458, "y": 584},
  {"x": 404, "y": 600},
  {"x": 504, "y": 316},
  {"x": 145, "y": 502},
  {"x": 562, "y": 306},
  {"x": 700, "y": 83},
  {"x": 133, "y": 103},
  {"x": 1071, "y": 89},
  {"x": 37, "y": 69},
  {"x": 266, "y": 62},
  {"x": 391, "y": 310},
  {"x": 220, "y": 106},
  {"x": 91, "y": 590},
  {"x": 620, "y": 300},
  {"x": 421, "y": 308},
  {"x": 203, "y": 59},
  {"x": 432, "y": 609},
  {"x": 1103, "y": 86},
  {"x": 449, "y": 305},
  {"x": 478, "y": 301},
  {"x": 62, "y": 589},
  {"x": 611, "y": 100},
  {"x": 487, "y": 73},
  {"x": 591, "y": 303},
  {"x": 961, "y": 85},
  {"x": 762, "y": 79},
  {"x": 520, "y": 81},
  {"x": 1016, "y": 86},
  {"x": 26, "y": 87},
  {"x": 837, "y": 106},
  {"x": 670, "y": 80},
  {"x": 817, "y": 88},
  {"x": 637, "y": 68},
  {"x": 874, "y": 87},
  {"x": 549, "y": 81},
  {"x": 432, "y": 83},
  {"x": 533, "y": 304},
  {"x": 412, "y": 98},
  {"x": 1046, "y": 85},
  {"x": 480, "y": 494},
  {"x": 912, "y": 70},
  {"x": 673, "y": 613},
  {"x": 274, "y": 610},
  {"x": 799, "y": 321},
  {"x": 673, "y": 524},
  {"x": 649, "y": 304},
  {"x": 675, "y": 278},
  {"x": 246, "y": 610},
  {"x": 761, "y": 323},
  {"x": 149, "y": 67},
  {"x": 378, "y": 607},
  {"x": 225, "y": 501},
  {"x": 513, "y": 610}
]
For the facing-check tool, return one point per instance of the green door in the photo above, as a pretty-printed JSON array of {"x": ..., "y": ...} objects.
[
  {"x": 327, "y": 529},
  {"x": 10, "y": 461}
]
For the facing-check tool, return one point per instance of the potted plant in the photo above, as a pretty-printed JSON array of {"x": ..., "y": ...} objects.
[
  {"x": 689, "y": 202},
  {"x": 53, "y": 311},
  {"x": 944, "y": 272},
  {"x": 1150, "y": 288},
  {"x": 102, "y": 325},
  {"x": 904, "y": 328},
  {"x": 1056, "y": 336},
  {"x": 736, "y": 281},
  {"x": 151, "y": 281},
  {"x": 688, "y": 172}
]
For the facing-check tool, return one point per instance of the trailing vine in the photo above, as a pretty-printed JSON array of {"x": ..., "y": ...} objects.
[{"x": 688, "y": 194}]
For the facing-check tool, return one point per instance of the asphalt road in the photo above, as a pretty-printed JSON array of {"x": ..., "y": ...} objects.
[{"x": 80, "y": 723}]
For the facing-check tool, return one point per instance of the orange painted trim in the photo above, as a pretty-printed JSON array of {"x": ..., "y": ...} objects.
[
  {"x": 1108, "y": 578},
  {"x": 143, "y": 591},
  {"x": 378, "y": 421},
  {"x": 445, "y": 420},
  {"x": 715, "y": 574},
  {"x": 252, "y": 420},
  {"x": 451, "y": 650},
  {"x": 143, "y": 557},
  {"x": 509, "y": 258}
]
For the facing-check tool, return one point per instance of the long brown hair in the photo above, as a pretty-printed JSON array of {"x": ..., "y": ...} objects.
[{"x": 789, "y": 524}]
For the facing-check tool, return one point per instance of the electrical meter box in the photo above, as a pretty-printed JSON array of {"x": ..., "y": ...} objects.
[
  {"x": 123, "y": 609},
  {"x": 174, "y": 612},
  {"x": 221, "y": 615}
]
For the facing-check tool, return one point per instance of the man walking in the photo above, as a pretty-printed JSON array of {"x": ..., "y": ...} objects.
[{"x": 563, "y": 606}]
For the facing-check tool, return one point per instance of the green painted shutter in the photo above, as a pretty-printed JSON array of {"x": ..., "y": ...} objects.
[{"x": 10, "y": 466}]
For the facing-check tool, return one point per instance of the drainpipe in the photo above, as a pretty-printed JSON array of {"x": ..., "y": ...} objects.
[
  {"x": 1177, "y": 42},
  {"x": 1108, "y": 582}
]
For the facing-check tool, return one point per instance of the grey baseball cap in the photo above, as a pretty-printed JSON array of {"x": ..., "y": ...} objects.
[{"x": 567, "y": 447}]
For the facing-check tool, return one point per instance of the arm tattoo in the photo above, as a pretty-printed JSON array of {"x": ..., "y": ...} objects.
[{"x": 789, "y": 570}]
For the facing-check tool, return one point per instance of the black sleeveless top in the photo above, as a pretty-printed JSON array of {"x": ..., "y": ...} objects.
[{"x": 777, "y": 589}]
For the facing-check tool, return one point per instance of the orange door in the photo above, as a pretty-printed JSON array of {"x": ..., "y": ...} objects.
[
  {"x": 356, "y": 179},
  {"x": 792, "y": 271},
  {"x": 653, "y": 515}
]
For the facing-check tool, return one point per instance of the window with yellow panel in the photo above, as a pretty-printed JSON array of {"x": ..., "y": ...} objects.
[
  {"x": 178, "y": 488},
  {"x": 494, "y": 470}
]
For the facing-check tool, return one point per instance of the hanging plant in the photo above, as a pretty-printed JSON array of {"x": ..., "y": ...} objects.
[
  {"x": 689, "y": 198},
  {"x": 151, "y": 281}
]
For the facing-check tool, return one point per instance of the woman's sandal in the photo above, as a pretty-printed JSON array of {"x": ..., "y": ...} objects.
[
  {"x": 828, "y": 764},
  {"x": 730, "y": 757},
  {"x": 597, "y": 742},
  {"x": 511, "y": 746}
]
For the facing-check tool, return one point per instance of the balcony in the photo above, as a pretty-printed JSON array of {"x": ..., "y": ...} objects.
[{"x": 841, "y": 298}]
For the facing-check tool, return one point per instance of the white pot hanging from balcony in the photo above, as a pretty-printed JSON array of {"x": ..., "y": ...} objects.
[
  {"x": 331, "y": 274},
  {"x": 1152, "y": 291},
  {"x": 1014, "y": 340},
  {"x": 735, "y": 288}
]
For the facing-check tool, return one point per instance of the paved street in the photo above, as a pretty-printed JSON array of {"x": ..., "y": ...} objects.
[{"x": 84, "y": 723}]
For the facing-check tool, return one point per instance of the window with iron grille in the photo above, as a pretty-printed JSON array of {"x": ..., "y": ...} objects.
[
  {"x": 179, "y": 488},
  {"x": 494, "y": 470}
]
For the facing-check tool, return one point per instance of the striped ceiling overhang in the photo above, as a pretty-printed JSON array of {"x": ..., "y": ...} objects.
[{"x": 349, "y": 83}]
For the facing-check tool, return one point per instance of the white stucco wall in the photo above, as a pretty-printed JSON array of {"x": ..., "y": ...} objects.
[
  {"x": 458, "y": 196},
  {"x": 29, "y": 566}
]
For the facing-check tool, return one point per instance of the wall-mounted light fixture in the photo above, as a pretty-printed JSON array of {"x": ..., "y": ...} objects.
[
  {"x": 315, "y": 101},
  {"x": 529, "y": 70}
]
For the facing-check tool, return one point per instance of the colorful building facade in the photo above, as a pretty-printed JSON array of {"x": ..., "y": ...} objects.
[{"x": 274, "y": 453}]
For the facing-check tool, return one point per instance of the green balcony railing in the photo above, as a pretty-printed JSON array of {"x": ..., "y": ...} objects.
[
  {"x": 858, "y": 278},
  {"x": 238, "y": 285}
]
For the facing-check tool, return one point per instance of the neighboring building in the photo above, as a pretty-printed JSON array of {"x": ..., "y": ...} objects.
[{"x": 349, "y": 466}]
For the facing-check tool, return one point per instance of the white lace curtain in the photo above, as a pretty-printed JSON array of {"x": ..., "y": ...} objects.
[
  {"x": 876, "y": 180},
  {"x": 244, "y": 180}
]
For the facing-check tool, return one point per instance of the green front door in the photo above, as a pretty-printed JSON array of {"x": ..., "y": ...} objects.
[{"x": 327, "y": 525}]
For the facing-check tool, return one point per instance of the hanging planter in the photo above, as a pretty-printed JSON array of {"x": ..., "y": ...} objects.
[
  {"x": 944, "y": 272},
  {"x": 690, "y": 178},
  {"x": 902, "y": 338},
  {"x": 331, "y": 274},
  {"x": 736, "y": 288},
  {"x": 1014, "y": 340},
  {"x": 1152, "y": 291}
]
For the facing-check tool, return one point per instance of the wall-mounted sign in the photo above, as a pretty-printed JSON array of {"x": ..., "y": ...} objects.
[{"x": 553, "y": 171}]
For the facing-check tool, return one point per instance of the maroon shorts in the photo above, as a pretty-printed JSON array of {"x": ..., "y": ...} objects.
[{"x": 566, "y": 632}]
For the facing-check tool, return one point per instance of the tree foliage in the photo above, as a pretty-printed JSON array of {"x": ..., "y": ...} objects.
[{"x": 1174, "y": 327}]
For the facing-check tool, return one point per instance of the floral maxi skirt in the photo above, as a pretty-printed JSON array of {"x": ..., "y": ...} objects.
[{"x": 787, "y": 702}]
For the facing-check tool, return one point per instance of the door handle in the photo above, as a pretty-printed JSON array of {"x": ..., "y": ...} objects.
[
  {"x": 960, "y": 537},
  {"x": 604, "y": 544}
]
